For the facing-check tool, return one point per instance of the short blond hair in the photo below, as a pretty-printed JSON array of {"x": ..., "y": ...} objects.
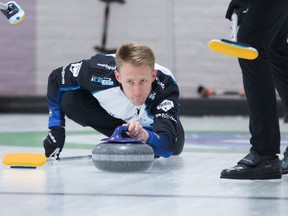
[{"x": 135, "y": 53}]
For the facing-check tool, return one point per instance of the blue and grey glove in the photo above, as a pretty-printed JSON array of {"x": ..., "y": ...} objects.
[{"x": 54, "y": 142}]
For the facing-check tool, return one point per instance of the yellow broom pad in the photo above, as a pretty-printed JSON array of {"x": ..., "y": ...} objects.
[
  {"x": 23, "y": 159},
  {"x": 233, "y": 49}
]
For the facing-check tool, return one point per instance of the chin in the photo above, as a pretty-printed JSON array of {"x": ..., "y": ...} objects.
[{"x": 137, "y": 103}]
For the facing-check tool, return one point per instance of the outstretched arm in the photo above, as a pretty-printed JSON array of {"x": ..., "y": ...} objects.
[{"x": 158, "y": 141}]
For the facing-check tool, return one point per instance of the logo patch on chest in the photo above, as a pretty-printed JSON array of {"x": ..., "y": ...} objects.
[
  {"x": 104, "y": 81},
  {"x": 166, "y": 105}
]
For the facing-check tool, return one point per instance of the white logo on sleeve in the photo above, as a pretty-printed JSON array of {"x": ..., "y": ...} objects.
[
  {"x": 166, "y": 105},
  {"x": 75, "y": 68}
]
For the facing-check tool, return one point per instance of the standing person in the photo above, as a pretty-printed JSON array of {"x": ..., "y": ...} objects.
[
  {"x": 107, "y": 91},
  {"x": 264, "y": 27}
]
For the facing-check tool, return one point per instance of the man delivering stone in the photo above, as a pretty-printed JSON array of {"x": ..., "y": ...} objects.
[{"x": 107, "y": 91}]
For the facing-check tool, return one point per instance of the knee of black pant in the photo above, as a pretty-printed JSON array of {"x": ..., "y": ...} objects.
[
  {"x": 180, "y": 140},
  {"x": 179, "y": 147}
]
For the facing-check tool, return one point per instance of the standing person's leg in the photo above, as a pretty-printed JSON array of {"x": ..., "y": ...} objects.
[
  {"x": 84, "y": 109},
  {"x": 258, "y": 29},
  {"x": 279, "y": 56}
]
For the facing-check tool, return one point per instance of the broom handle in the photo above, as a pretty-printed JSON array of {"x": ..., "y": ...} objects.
[
  {"x": 3, "y": 6},
  {"x": 234, "y": 27},
  {"x": 52, "y": 160}
]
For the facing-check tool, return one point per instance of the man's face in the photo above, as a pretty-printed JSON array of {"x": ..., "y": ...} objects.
[{"x": 136, "y": 82}]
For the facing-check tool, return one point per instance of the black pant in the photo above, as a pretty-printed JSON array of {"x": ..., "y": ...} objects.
[
  {"x": 84, "y": 109},
  {"x": 265, "y": 27}
]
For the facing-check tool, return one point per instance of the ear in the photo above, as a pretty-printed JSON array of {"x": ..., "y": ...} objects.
[
  {"x": 154, "y": 74},
  {"x": 117, "y": 76}
]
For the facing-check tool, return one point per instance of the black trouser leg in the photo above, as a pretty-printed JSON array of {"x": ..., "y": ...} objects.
[
  {"x": 84, "y": 109},
  {"x": 279, "y": 57},
  {"x": 259, "y": 29},
  {"x": 180, "y": 140}
]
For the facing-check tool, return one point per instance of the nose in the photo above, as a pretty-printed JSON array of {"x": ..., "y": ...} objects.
[{"x": 137, "y": 90}]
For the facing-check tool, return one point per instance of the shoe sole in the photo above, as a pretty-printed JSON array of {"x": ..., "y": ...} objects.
[{"x": 262, "y": 177}]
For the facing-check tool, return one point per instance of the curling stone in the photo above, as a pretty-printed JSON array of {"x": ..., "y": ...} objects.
[{"x": 118, "y": 154}]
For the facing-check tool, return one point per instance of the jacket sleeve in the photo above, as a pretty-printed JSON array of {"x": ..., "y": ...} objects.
[
  {"x": 163, "y": 138},
  {"x": 60, "y": 80}
]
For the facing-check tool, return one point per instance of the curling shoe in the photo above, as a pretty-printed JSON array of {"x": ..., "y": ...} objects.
[
  {"x": 285, "y": 162},
  {"x": 255, "y": 166}
]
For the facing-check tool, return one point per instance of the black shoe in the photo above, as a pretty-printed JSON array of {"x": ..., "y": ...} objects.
[
  {"x": 285, "y": 162},
  {"x": 254, "y": 166}
]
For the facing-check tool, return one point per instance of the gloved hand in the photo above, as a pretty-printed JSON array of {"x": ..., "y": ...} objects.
[
  {"x": 239, "y": 7},
  {"x": 54, "y": 142}
]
